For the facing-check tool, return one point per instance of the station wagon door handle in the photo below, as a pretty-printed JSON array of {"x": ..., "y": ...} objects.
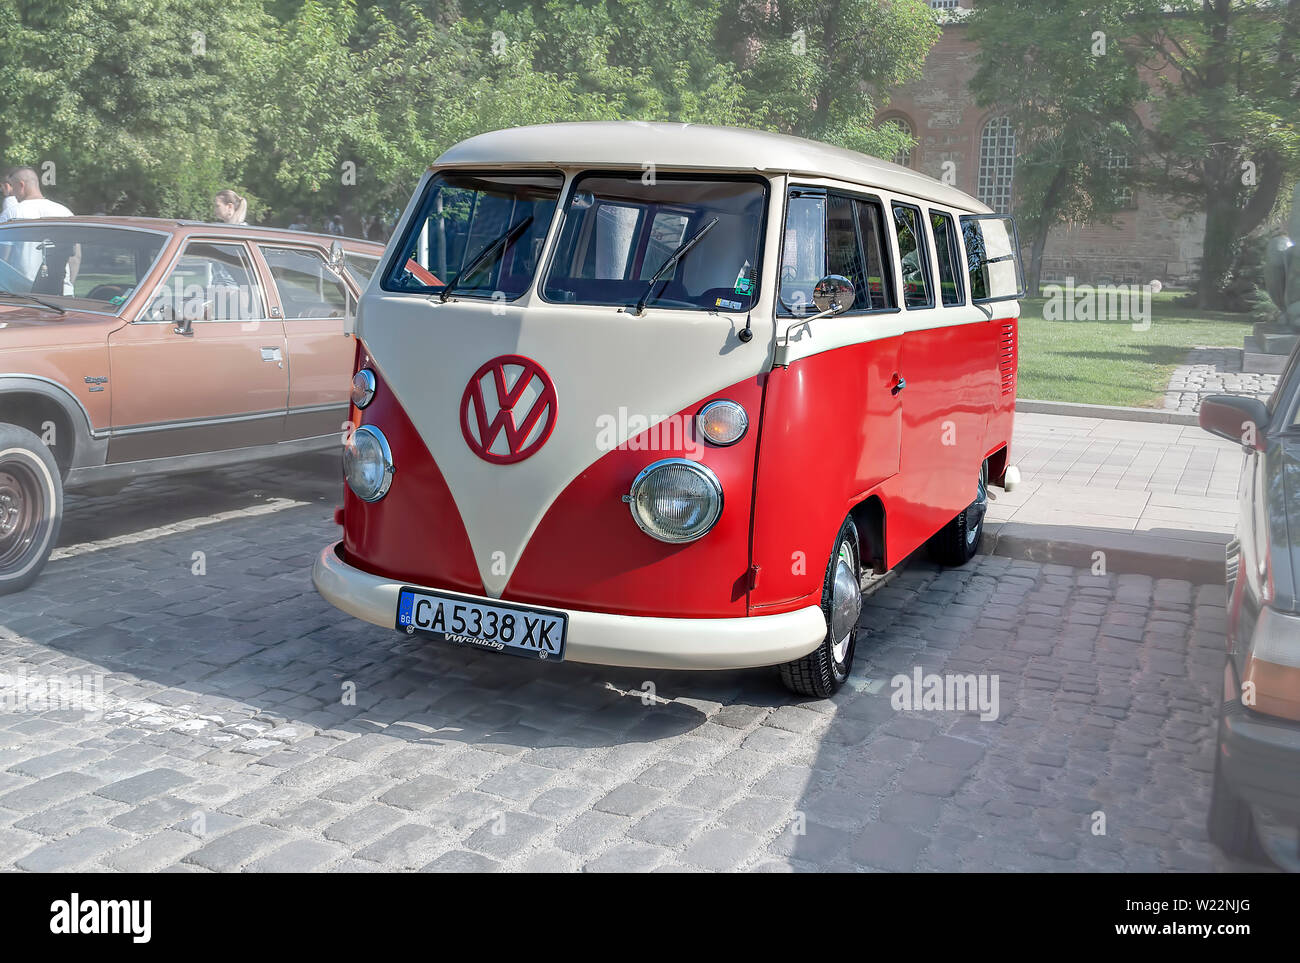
[
  {"x": 271, "y": 354},
  {"x": 899, "y": 384}
]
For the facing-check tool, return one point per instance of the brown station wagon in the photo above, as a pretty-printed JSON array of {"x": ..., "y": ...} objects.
[{"x": 139, "y": 346}]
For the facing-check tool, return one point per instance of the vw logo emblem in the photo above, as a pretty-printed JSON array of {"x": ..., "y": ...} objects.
[{"x": 508, "y": 409}]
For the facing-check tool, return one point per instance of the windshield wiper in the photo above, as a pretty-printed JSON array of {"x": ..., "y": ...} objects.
[
  {"x": 682, "y": 250},
  {"x": 33, "y": 300},
  {"x": 483, "y": 255}
]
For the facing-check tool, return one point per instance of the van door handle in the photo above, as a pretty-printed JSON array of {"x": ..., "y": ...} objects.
[
  {"x": 899, "y": 384},
  {"x": 272, "y": 354}
]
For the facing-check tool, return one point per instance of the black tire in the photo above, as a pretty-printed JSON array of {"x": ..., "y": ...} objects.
[
  {"x": 959, "y": 541},
  {"x": 31, "y": 507},
  {"x": 1231, "y": 824},
  {"x": 821, "y": 672}
]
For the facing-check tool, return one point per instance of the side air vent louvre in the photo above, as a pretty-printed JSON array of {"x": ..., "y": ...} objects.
[{"x": 1007, "y": 357}]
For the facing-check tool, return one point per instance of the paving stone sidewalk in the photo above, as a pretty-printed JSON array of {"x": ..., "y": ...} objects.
[
  {"x": 1214, "y": 371},
  {"x": 1160, "y": 498},
  {"x": 228, "y": 744}
]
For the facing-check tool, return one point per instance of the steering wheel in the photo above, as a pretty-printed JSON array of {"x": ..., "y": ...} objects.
[{"x": 106, "y": 292}]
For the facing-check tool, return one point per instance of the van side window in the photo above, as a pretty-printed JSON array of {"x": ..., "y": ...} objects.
[
  {"x": 945, "y": 246},
  {"x": 833, "y": 234},
  {"x": 803, "y": 251},
  {"x": 879, "y": 286},
  {"x": 914, "y": 257}
]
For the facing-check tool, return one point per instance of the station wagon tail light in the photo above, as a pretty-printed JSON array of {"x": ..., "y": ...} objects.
[
  {"x": 675, "y": 500},
  {"x": 363, "y": 387},
  {"x": 722, "y": 422},
  {"x": 368, "y": 464}
]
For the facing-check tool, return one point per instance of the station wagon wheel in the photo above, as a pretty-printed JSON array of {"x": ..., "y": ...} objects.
[
  {"x": 1231, "y": 823},
  {"x": 31, "y": 507},
  {"x": 823, "y": 670},
  {"x": 959, "y": 541}
]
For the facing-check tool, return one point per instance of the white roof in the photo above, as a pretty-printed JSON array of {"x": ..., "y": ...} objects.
[{"x": 691, "y": 146}]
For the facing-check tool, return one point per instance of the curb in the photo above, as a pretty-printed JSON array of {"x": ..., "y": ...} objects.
[
  {"x": 1113, "y": 412},
  {"x": 1126, "y": 553}
]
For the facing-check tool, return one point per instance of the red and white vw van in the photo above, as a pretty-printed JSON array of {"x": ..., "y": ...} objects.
[{"x": 664, "y": 395}]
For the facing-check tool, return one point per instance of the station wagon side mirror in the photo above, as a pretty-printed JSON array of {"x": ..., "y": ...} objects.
[
  {"x": 833, "y": 294},
  {"x": 1236, "y": 418}
]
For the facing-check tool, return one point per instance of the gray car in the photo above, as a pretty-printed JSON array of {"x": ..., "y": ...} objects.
[{"x": 1255, "y": 808}]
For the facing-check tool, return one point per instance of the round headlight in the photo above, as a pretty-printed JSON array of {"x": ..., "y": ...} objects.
[
  {"x": 368, "y": 464},
  {"x": 363, "y": 387},
  {"x": 722, "y": 422},
  {"x": 675, "y": 500}
]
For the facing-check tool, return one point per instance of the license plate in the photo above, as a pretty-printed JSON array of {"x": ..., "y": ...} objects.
[{"x": 513, "y": 629}]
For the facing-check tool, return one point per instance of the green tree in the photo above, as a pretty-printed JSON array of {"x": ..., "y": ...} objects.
[
  {"x": 139, "y": 105},
  {"x": 1070, "y": 91},
  {"x": 1227, "y": 131},
  {"x": 819, "y": 68}
]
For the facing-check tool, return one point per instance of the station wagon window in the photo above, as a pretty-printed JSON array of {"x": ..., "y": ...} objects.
[
  {"x": 210, "y": 282},
  {"x": 620, "y": 230},
  {"x": 306, "y": 285},
  {"x": 831, "y": 233},
  {"x": 945, "y": 246},
  {"x": 498, "y": 220},
  {"x": 913, "y": 256},
  {"x": 96, "y": 268}
]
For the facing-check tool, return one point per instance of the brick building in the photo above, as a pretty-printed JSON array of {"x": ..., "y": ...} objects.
[{"x": 1149, "y": 240}]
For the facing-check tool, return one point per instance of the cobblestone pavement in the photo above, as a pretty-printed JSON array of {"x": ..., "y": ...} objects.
[
  {"x": 1214, "y": 371},
  {"x": 225, "y": 742}
]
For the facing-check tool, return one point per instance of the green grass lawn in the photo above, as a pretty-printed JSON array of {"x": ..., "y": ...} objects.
[{"x": 1107, "y": 362}]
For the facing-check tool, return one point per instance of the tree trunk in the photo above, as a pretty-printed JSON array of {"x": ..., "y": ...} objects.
[
  {"x": 1047, "y": 216},
  {"x": 1036, "y": 249},
  {"x": 1222, "y": 242}
]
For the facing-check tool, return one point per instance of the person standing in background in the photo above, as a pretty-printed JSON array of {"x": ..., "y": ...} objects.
[
  {"x": 10, "y": 202},
  {"x": 25, "y": 186},
  {"x": 229, "y": 207}
]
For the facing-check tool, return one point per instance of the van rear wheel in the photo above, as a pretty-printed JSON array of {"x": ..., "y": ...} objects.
[
  {"x": 31, "y": 507},
  {"x": 822, "y": 671},
  {"x": 959, "y": 541}
]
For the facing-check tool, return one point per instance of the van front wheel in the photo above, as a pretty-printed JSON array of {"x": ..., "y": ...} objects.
[
  {"x": 959, "y": 541},
  {"x": 822, "y": 671}
]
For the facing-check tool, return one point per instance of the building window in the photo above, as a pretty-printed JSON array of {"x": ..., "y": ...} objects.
[
  {"x": 903, "y": 156},
  {"x": 997, "y": 164},
  {"x": 944, "y": 5},
  {"x": 1118, "y": 161}
]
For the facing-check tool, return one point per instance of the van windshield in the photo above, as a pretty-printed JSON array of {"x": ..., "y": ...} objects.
[
  {"x": 480, "y": 232},
  {"x": 621, "y": 229}
]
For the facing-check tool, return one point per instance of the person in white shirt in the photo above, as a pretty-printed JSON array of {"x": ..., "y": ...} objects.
[
  {"x": 10, "y": 202},
  {"x": 25, "y": 186}
]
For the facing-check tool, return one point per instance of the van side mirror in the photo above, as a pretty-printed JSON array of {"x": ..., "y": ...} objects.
[
  {"x": 833, "y": 294},
  {"x": 1236, "y": 418}
]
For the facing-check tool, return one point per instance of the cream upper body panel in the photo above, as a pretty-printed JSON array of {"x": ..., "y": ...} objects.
[{"x": 639, "y": 145}]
